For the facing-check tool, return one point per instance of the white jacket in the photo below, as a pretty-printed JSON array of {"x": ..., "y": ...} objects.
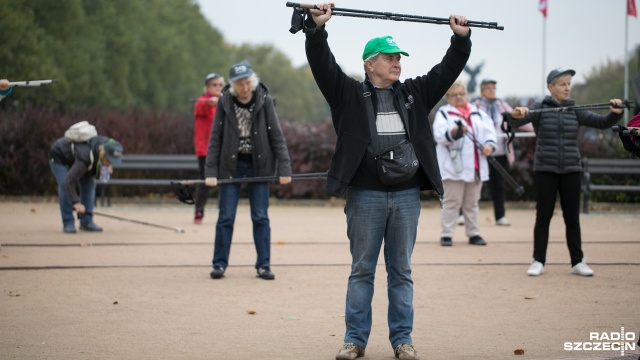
[{"x": 461, "y": 152}]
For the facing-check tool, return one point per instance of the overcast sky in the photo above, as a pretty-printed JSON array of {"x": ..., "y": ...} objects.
[{"x": 581, "y": 34}]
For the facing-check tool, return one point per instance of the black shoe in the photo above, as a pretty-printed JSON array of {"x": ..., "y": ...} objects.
[
  {"x": 90, "y": 227},
  {"x": 69, "y": 229},
  {"x": 217, "y": 272},
  {"x": 266, "y": 273},
  {"x": 477, "y": 240},
  {"x": 446, "y": 241}
]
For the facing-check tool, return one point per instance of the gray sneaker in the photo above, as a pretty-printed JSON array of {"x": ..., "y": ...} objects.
[
  {"x": 90, "y": 227},
  {"x": 350, "y": 351},
  {"x": 266, "y": 273},
  {"x": 406, "y": 351}
]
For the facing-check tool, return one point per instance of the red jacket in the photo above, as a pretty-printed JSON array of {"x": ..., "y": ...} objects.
[{"x": 203, "y": 114}]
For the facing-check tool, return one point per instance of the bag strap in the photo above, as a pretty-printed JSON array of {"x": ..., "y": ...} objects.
[
  {"x": 404, "y": 117},
  {"x": 91, "y": 157},
  {"x": 368, "y": 103}
]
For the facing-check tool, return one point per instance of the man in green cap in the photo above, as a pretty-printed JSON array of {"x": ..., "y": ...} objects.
[{"x": 377, "y": 210}]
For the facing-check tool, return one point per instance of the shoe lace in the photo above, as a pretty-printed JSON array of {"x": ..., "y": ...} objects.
[
  {"x": 348, "y": 346},
  {"x": 405, "y": 348}
]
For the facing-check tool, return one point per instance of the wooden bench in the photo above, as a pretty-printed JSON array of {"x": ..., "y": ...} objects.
[
  {"x": 608, "y": 167},
  {"x": 162, "y": 162}
]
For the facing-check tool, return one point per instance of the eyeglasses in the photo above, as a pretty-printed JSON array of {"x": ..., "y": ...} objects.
[
  {"x": 215, "y": 84},
  {"x": 457, "y": 94}
]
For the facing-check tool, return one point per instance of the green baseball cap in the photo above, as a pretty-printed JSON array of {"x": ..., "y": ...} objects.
[{"x": 383, "y": 44}]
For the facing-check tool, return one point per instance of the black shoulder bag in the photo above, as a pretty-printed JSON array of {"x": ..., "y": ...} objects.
[{"x": 397, "y": 163}]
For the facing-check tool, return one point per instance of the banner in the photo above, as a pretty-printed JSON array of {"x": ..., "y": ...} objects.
[
  {"x": 543, "y": 7},
  {"x": 631, "y": 8}
]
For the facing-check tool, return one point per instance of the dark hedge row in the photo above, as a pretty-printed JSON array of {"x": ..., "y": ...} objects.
[{"x": 27, "y": 134}]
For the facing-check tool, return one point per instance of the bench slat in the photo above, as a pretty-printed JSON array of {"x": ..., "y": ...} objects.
[
  {"x": 156, "y": 166},
  {"x": 631, "y": 188},
  {"x": 613, "y": 170},
  {"x": 610, "y": 167},
  {"x": 138, "y": 182}
]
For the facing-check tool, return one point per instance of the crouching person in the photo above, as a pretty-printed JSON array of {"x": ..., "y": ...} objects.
[{"x": 78, "y": 164}]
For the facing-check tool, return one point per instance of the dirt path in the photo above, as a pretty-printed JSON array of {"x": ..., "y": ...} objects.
[{"x": 140, "y": 292}]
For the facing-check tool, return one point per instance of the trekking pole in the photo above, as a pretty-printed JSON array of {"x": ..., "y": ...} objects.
[
  {"x": 31, "y": 83},
  {"x": 507, "y": 128},
  {"x": 303, "y": 176},
  {"x": 296, "y": 23},
  {"x": 182, "y": 192},
  {"x": 626, "y": 131},
  {"x": 496, "y": 165},
  {"x": 626, "y": 104},
  {"x": 176, "y": 229}
]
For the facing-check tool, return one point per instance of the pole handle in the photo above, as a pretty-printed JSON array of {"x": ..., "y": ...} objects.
[{"x": 301, "y": 5}]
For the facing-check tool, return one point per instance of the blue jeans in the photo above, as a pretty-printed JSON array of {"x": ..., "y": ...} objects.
[
  {"x": 228, "y": 196},
  {"x": 374, "y": 216},
  {"x": 87, "y": 186}
]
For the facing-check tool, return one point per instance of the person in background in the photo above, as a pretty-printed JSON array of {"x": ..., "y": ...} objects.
[
  {"x": 557, "y": 165},
  {"x": 78, "y": 165},
  {"x": 203, "y": 112},
  {"x": 379, "y": 213},
  {"x": 631, "y": 143},
  {"x": 5, "y": 89},
  {"x": 494, "y": 107},
  {"x": 246, "y": 141},
  {"x": 457, "y": 127}
]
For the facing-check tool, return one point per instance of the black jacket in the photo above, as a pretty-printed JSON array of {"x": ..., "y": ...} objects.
[
  {"x": 83, "y": 161},
  {"x": 557, "y": 134},
  {"x": 269, "y": 154},
  {"x": 344, "y": 95}
]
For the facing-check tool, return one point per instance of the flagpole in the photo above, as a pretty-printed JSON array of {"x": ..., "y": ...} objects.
[
  {"x": 626, "y": 63},
  {"x": 544, "y": 54}
]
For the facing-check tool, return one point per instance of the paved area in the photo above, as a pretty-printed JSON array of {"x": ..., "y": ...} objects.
[{"x": 142, "y": 292}]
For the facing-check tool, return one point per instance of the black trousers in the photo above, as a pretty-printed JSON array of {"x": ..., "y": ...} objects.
[
  {"x": 496, "y": 185},
  {"x": 547, "y": 186},
  {"x": 202, "y": 191}
]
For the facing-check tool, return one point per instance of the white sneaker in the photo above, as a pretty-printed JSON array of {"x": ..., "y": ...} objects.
[
  {"x": 582, "y": 269},
  {"x": 461, "y": 220},
  {"x": 503, "y": 222},
  {"x": 536, "y": 269}
]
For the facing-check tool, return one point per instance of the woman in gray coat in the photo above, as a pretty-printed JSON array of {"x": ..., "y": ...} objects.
[{"x": 246, "y": 141}]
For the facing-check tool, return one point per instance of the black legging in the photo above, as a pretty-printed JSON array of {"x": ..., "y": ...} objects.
[
  {"x": 547, "y": 185},
  {"x": 496, "y": 185}
]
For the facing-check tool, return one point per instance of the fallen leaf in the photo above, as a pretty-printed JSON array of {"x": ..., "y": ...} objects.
[
  {"x": 33, "y": 210},
  {"x": 251, "y": 312},
  {"x": 84, "y": 244},
  {"x": 518, "y": 352},
  {"x": 115, "y": 302},
  {"x": 279, "y": 242},
  {"x": 529, "y": 298},
  {"x": 11, "y": 293}
]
